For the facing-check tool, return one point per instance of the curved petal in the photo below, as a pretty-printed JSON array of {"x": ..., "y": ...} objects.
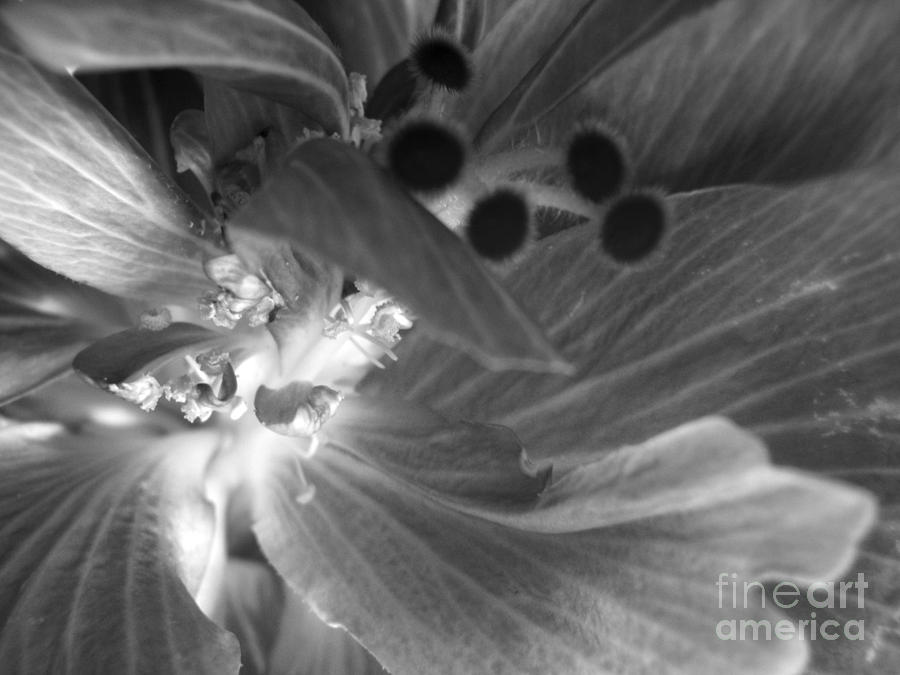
[
  {"x": 332, "y": 200},
  {"x": 372, "y": 36},
  {"x": 773, "y": 306},
  {"x": 267, "y": 47},
  {"x": 80, "y": 197},
  {"x": 101, "y": 545},
  {"x": 753, "y": 91},
  {"x": 469, "y": 595}
]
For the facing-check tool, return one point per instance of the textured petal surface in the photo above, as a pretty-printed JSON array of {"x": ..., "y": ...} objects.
[
  {"x": 372, "y": 36},
  {"x": 332, "y": 200},
  {"x": 775, "y": 307},
  {"x": 101, "y": 546},
  {"x": 269, "y": 47},
  {"x": 539, "y": 52},
  {"x": 753, "y": 91},
  {"x": 469, "y": 595},
  {"x": 80, "y": 197}
]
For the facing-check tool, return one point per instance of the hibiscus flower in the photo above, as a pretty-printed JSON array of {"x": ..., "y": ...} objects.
[{"x": 479, "y": 333}]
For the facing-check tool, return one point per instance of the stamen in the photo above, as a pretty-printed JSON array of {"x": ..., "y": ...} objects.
[
  {"x": 426, "y": 155},
  {"x": 144, "y": 392},
  {"x": 307, "y": 489},
  {"x": 441, "y": 60},
  {"x": 500, "y": 225},
  {"x": 634, "y": 227},
  {"x": 597, "y": 163}
]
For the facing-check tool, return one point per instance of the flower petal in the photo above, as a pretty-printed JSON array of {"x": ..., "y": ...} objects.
[
  {"x": 753, "y": 91},
  {"x": 469, "y": 22},
  {"x": 538, "y": 52},
  {"x": 268, "y": 47},
  {"x": 117, "y": 357},
  {"x": 773, "y": 306},
  {"x": 468, "y": 595},
  {"x": 473, "y": 465},
  {"x": 332, "y": 200},
  {"x": 102, "y": 547},
  {"x": 45, "y": 319},
  {"x": 374, "y": 35},
  {"x": 280, "y": 635},
  {"x": 80, "y": 197},
  {"x": 234, "y": 118}
]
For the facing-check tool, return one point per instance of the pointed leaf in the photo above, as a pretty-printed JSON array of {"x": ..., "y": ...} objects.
[
  {"x": 268, "y": 47},
  {"x": 330, "y": 199},
  {"x": 753, "y": 92},
  {"x": 773, "y": 306},
  {"x": 101, "y": 546},
  {"x": 114, "y": 359},
  {"x": 80, "y": 197},
  {"x": 539, "y": 52},
  {"x": 372, "y": 36},
  {"x": 468, "y": 595}
]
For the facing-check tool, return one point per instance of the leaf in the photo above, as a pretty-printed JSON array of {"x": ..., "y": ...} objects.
[
  {"x": 80, "y": 197},
  {"x": 753, "y": 92},
  {"x": 372, "y": 36},
  {"x": 101, "y": 545},
  {"x": 117, "y": 357},
  {"x": 331, "y": 200},
  {"x": 772, "y": 306},
  {"x": 268, "y": 47},
  {"x": 470, "y": 595},
  {"x": 539, "y": 52}
]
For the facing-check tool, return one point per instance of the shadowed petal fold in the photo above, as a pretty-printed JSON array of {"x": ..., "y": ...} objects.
[
  {"x": 101, "y": 546},
  {"x": 637, "y": 593}
]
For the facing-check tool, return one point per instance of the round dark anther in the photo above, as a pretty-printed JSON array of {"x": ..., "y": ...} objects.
[
  {"x": 442, "y": 61},
  {"x": 499, "y": 225},
  {"x": 597, "y": 165},
  {"x": 426, "y": 156},
  {"x": 633, "y": 228}
]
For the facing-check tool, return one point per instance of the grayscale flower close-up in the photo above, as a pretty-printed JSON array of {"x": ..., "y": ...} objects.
[{"x": 449, "y": 337}]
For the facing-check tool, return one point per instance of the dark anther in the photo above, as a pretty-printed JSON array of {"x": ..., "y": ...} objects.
[
  {"x": 633, "y": 228},
  {"x": 499, "y": 225},
  {"x": 394, "y": 94},
  {"x": 442, "y": 61},
  {"x": 597, "y": 164},
  {"x": 426, "y": 156}
]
